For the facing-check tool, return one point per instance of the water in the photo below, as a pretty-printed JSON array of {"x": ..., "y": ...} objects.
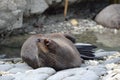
[
  {"x": 108, "y": 40},
  {"x": 11, "y": 46}
]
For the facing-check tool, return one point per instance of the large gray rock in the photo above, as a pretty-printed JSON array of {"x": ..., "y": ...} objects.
[
  {"x": 11, "y": 20},
  {"x": 109, "y": 16},
  {"x": 20, "y": 67},
  {"x": 12, "y": 11},
  {"x": 37, "y": 74},
  {"x": 6, "y": 67},
  {"x": 74, "y": 74},
  {"x": 11, "y": 14}
]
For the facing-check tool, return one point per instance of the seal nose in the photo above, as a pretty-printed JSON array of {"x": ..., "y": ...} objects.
[{"x": 38, "y": 40}]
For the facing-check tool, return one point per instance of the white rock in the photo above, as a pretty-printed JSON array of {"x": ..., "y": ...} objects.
[
  {"x": 99, "y": 50},
  {"x": 113, "y": 75},
  {"x": 105, "y": 53},
  {"x": 112, "y": 66},
  {"x": 2, "y": 62},
  {"x": 6, "y": 77},
  {"x": 31, "y": 76},
  {"x": 16, "y": 70},
  {"x": 84, "y": 44},
  {"x": 5, "y": 67},
  {"x": 115, "y": 60},
  {"x": 46, "y": 70},
  {"x": 37, "y": 74},
  {"x": 92, "y": 62},
  {"x": 20, "y": 67},
  {"x": 99, "y": 69},
  {"x": 74, "y": 74}
]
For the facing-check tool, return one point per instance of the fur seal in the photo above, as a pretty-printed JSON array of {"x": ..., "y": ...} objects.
[
  {"x": 109, "y": 16},
  {"x": 54, "y": 50}
]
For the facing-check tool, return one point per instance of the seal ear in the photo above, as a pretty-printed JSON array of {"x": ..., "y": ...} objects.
[{"x": 47, "y": 42}]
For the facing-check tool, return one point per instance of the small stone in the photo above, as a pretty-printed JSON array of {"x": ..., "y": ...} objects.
[
  {"x": 32, "y": 32},
  {"x": 74, "y": 22}
]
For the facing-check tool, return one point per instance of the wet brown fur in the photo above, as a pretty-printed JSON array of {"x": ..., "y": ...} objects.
[{"x": 51, "y": 50}]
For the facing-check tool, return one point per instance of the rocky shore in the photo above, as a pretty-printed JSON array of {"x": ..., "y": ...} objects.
[
  {"x": 79, "y": 23},
  {"x": 105, "y": 69}
]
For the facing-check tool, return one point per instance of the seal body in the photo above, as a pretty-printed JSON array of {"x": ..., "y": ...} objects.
[
  {"x": 109, "y": 16},
  {"x": 51, "y": 50}
]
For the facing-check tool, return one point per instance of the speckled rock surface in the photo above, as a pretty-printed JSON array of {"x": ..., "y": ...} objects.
[
  {"x": 109, "y": 16},
  {"x": 105, "y": 69}
]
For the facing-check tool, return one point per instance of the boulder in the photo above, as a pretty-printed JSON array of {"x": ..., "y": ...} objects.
[
  {"x": 109, "y": 16},
  {"x": 11, "y": 14}
]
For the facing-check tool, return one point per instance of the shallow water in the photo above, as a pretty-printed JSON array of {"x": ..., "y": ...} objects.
[
  {"x": 108, "y": 40},
  {"x": 11, "y": 46}
]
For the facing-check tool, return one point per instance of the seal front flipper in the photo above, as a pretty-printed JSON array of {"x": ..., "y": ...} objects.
[{"x": 70, "y": 37}]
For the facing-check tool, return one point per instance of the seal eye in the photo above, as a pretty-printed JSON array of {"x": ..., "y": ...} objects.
[{"x": 38, "y": 40}]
